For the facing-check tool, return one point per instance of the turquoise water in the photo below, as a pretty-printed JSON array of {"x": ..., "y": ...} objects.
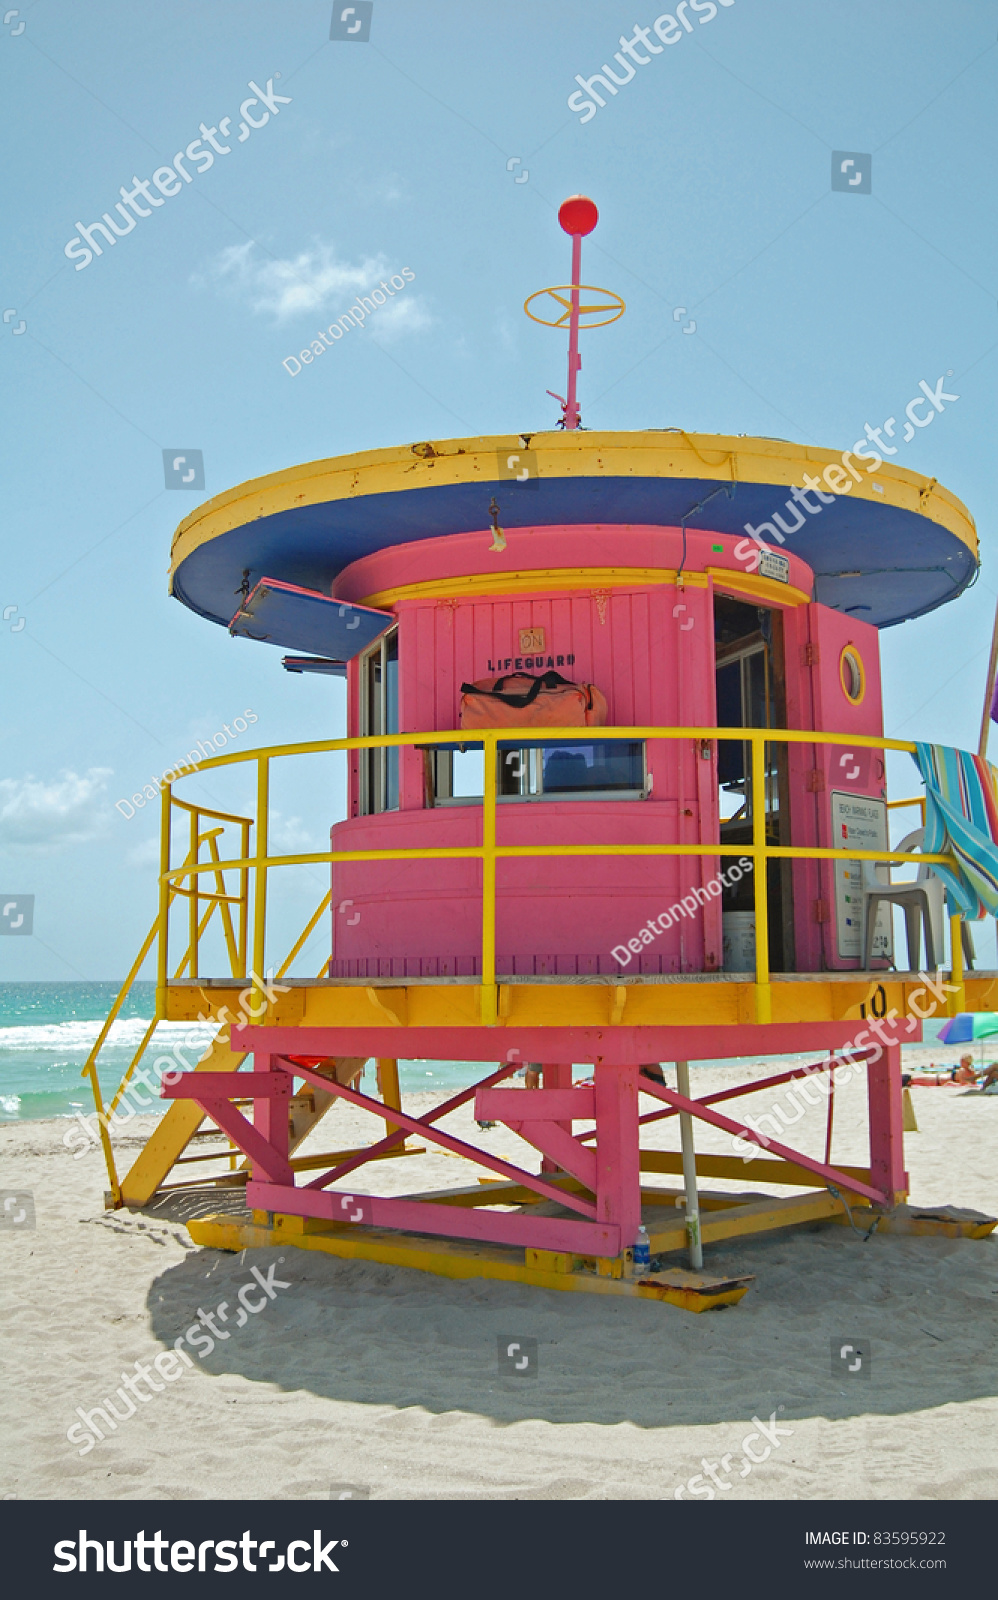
[{"x": 47, "y": 1030}]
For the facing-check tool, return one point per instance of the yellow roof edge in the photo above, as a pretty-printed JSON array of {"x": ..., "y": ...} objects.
[{"x": 394, "y": 468}]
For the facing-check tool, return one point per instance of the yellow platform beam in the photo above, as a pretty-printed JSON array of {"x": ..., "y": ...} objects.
[
  {"x": 802, "y": 998},
  {"x": 759, "y": 1216}
]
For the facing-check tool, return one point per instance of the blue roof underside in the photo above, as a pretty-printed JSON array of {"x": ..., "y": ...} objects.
[
  {"x": 907, "y": 564},
  {"x": 311, "y": 622}
]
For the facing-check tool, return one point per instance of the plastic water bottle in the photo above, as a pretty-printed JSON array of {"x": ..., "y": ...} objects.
[{"x": 642, "y": 1253}]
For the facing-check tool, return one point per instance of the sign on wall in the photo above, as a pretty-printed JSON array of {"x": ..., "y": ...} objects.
[{"x": 863, "y": 824}]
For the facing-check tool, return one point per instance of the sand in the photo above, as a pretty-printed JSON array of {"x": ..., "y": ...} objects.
[{"x": 383, "y": 1381}]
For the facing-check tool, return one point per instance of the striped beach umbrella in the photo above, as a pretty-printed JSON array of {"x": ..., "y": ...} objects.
[{"x": 969, "y": 1025}]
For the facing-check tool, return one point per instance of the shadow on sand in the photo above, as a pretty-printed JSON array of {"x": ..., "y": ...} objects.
[{"x": 389, "y": 1336}]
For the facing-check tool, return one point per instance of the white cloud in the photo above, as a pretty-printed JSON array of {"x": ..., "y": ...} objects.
[
  {"x": 318, "y": 282},
  {"x": 288, "y": 836},
  {"x": 145, "y": 854},
  {"x": 399, "y": 317},
  {"x": 286, "y": 288},
  {"x": 38, "y": 817}
]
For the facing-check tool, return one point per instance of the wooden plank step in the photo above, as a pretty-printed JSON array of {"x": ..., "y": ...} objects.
[{"x": 760, "y": 1216}]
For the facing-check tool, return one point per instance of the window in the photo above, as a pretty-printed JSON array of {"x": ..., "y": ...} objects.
[
  {"x": 565, "y": 772},
  {"x": 379, "y": 713},
  {"x": 851, "y": 675},
  {"x": 600, "y": 769}
]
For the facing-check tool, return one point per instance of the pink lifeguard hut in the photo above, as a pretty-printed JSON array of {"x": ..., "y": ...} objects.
[{"x": 675, "y": 872}]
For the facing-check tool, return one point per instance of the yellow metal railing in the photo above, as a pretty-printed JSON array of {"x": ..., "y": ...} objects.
[
  {"x": 220, "y": 900},
  {"x": 489, "y": 852},
  {"x": 236, "y": 946}
]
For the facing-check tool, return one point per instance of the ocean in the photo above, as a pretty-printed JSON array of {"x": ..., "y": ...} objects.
[{"x": 48, "y": 1029}]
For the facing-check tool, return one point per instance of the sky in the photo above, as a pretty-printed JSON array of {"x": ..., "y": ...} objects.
[{"x": 442, "y": 143}]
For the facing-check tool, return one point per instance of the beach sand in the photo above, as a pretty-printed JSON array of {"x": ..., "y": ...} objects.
[{"x": 370, "y": 1379}]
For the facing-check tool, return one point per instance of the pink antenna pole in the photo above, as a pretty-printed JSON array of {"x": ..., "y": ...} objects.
[
  {"x": 578, "y": 216},
  {"x": 574, "y": 359}
]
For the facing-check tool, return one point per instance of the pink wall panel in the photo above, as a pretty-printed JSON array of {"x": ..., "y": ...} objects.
[
  {"x": 649, "y": 648},
  {"x": 554, "y": 914},
  {"x": 423, "y": 918}
]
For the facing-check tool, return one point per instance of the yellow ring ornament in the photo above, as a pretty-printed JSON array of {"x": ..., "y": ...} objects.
[{"x": 614, "y": 304}]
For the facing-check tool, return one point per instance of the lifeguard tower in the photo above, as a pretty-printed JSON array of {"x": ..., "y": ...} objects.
[{"x": 681, "y": 881}]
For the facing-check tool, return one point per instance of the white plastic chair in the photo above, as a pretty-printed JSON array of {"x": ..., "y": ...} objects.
[{"x": 920, "y": 898}]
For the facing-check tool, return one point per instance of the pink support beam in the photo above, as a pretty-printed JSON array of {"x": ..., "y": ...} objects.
[
  {"x": 548, "y": 1191},
  {"x": 826, "y": 1174},
  {"x": 454, "y": 1222},
  {"x": 630, "y": 1045},
  {"x": 544, "y": 1118},
  {"x": 618, "y": 1157},
  {"x": 533, "y": 1105},
  {"x": 886, "y": 1123},
  {"x": 561, "y": 1151},
  {"x": 557, "y": 1075},
  {"x": 231, "y": 1121},
  {"x": 261, "y": 1085},
  {"x": 741, "y": 1089},
  {"x": 271, "y": 1115},
  {"x": 435, "y": 1115}
]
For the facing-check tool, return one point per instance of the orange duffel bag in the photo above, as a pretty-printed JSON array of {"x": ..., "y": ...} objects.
[{"x": 520, "y": 700}]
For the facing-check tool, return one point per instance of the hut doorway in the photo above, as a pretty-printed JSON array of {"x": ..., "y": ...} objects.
[{"x": 751, "y": 693}]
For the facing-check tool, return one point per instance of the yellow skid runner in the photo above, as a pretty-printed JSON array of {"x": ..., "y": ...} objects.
[{"x": 454, "y": 1259}]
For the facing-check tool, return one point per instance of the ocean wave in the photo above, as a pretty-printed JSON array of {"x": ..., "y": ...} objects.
[{"x": 79, "y": 1035}]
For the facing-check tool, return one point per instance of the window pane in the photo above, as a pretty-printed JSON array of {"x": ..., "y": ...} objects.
[
  {"x": 391, "y": 757},
  {"x": 610, "y": 764},
  {"x": 392, "y": 684},
  {"x": 467, "y": 780},
  {"x": 379, "y": 713}
]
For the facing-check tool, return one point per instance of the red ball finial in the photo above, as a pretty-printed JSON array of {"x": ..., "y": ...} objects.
[{"x": 578, "y": 214}]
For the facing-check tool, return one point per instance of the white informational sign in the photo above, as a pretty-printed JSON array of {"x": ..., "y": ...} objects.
[
  {"x": 863, "y": 824},
  {"x": 774, "y": 565}
]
